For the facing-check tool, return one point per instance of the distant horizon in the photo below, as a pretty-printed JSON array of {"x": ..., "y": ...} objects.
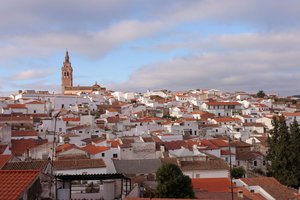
[{"x": 135, "y": 45}]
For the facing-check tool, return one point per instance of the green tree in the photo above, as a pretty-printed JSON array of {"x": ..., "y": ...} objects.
[
  {"x": 295, "y": 149},
  {"x": 261, "y": 94},
  {"x": 238, "y": 172},
  {"x": 280, "y": 154},
  {"x": 172, "y": 183}
]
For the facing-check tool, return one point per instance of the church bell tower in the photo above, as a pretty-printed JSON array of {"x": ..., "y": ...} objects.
[{"x": 66, "y": 73}]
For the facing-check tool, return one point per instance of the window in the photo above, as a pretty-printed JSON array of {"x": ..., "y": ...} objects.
[
  {"x": 197, "y": 175},
  {"x": 103, "y": 154},
  {"x": 217, "y": 130},
  {"x": 80, "y": 131},
  {"x": 60, "y": 129},
  {"x": 255, "y": 163},
  {"x": 34, "y": 111},
  {"x": 115, "y": 155},
  {"x": 264, "y": 163}
]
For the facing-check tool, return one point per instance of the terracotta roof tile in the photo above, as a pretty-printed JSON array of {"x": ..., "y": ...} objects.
[
  {"x": 25, "y": 133},
  {"x": 254, "y": 124},
  {"x": 92, "y": 149},
  {"x": 35, "y": 102},
  {"x": 65, "y": 147},
  {"x": 212, "y": 184},
  {"x": 114, "y": 143},
  {"x": 3, "y": 148},
  {"x": 78, "y": 164},
  {"x": 227, "y": 119},
  {"x": 16, "y": 106},
  {"x": 272, "y": 186},
  {"x": 18, "y": 147},
  {"x": 219, "y": 142},
  {"x": 204, "y": 165},
  {"x": 27, "y": 165},
  {"x": 14, "y": 183},
  {"x": 84, "y": 126},
  {"x": 248, "y": 155},
  {"x": 4, "y": 159},
  {"x": 222, "y": 103},
  {"x": 291, "y": 114},
  {"x": 71, "y": 119}
]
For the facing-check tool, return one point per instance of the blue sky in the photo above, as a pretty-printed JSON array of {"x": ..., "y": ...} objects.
[{"x": 135, "y": 45}]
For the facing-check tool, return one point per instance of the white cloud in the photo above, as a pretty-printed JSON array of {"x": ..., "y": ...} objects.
[
  {"x": 250, "y": 62},
  {"x": 31, "y": 74}
]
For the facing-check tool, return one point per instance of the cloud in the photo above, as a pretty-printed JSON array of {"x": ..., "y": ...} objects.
[
  {"x": 235, "y": 62},
  {"x": 31, "y": 74},
  {"x": 37, "y": 29}
]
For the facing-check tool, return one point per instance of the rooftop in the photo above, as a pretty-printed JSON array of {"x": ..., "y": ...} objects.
[{"x": 14, "y": 183}]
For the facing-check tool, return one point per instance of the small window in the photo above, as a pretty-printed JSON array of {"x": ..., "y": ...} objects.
[
  {"x": 103, "y": 154},
  {"x": 79, "y": 131},
  {"x": 255, "y": 163},
  {"x": 115, "y": 155},
  {"x": 197, "y": 175},
  {"x": 60, "y": 129},
  {"x": 34, "y": 111}
]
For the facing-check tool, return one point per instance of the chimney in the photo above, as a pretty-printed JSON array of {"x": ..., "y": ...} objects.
[{"x": 240, "y": 194}]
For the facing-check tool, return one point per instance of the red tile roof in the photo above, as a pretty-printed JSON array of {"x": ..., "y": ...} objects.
[
  {"x": 65, "y": 147},
  {"x": 272, "y": 186},
  {"x": 212, "y": 184},
  {"x": 219, "y": 142},
  {"x": 217, "y": 164},
  {"x": 16, "y": 118},
  {"x": 226, "y": 152},
  {"x": 35, "y": 102},
  {"x": 71, "y": 119},
  {"x": 291, "y": 114},
  {"x": 14, "y": 183},
  {"x": 227, "y": 119},
  {"x": 4, "y": 159},
  {"x": 18, "y": 147},
  {"x": 24, "y": 133},
  {"x": 248, "y": 155},
  {"x": 254, "y": 124},
  {"x": 16, "y": 106},
  {"x": 78, "y": 164},
  {"x": 92, "y": 149},
  {"x": 114, "y": 143},
  {"x": 3, "y": 148},
  {"x": 222, "y": 103}
]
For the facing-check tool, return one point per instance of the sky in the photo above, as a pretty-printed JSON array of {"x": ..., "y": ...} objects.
[{"x": 140, "y": 45}]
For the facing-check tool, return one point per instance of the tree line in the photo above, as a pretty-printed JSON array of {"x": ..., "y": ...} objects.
[{"x": 284, "y": 152}]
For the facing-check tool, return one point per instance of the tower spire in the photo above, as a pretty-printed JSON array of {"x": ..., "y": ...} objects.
[{"x": 67, "y": 56}]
